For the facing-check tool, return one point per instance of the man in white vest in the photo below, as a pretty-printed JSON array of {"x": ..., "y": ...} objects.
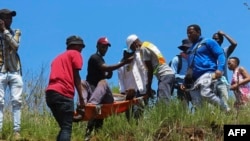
[
  {"x": 156, "y": 65},
  {"x": 133, "y": 76}
]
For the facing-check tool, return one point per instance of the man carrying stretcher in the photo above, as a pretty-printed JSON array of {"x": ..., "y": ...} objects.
[{"x": 96, "y": 87}]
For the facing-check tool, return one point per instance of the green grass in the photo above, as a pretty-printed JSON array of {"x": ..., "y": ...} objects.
[{"x": 163, "y": 122}]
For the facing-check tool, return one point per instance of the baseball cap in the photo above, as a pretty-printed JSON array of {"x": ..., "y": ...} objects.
[
  {"x": 185, "y": 44},
  {"x": 103, "y": 41},
  {"x": 7, "y": 11},
  {"x": 131, "y": 38},
  {"x": 74, "y": 40}
]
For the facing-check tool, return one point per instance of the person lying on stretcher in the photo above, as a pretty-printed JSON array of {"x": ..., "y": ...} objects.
[{"x": 100, "y": 95}]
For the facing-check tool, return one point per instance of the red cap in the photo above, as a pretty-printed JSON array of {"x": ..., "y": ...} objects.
[{"x": 103, "y": 41}]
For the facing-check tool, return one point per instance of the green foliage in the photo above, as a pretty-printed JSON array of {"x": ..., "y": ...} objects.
[{"x": 115, "y": 89}]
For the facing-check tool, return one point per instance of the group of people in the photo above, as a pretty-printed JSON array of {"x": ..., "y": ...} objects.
[
  {"x": 202, "y": 76},
  {"x": 64, "y": 76},
  {"x": 199, "y": 55},
  {"x": 199, "y": 73},
  {"x": 205, "y": 71}
]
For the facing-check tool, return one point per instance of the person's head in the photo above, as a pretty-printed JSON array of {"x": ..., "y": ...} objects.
[
  {"x": 6, "y": 15},
  {"x": 75, "y": 42},
  {"x": 186, "y": 44},
  {"x": 133, "y": 42},
  {"x": 233, "y": 62},
  {"x": 218, "y": 38},
  {"x": 102, "y": 45},
  {"x": 193, "y": 32}
]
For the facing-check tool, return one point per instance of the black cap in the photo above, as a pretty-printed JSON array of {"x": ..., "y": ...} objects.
[
  {"x": 185, "y": 45},
  {"x": 7, "y": 11},
  {"x": 74, "y": 40}
]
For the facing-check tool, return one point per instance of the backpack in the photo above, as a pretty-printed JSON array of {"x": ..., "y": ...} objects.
[{"x": 179, "y": 63}]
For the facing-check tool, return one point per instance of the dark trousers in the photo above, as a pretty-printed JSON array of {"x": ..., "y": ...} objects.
[
  {"x": 94, "y": 124},
  {"x": 62, "y": 109},
  {"x": 184, "y": 96},
  {"x": 137, "y": 109}
]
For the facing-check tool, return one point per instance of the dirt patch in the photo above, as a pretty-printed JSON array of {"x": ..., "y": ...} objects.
[
  {"x": 187, "y": 133},
  {"x": 172, "y": 133}
]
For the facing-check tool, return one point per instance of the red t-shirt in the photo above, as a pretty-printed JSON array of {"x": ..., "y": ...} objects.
[{"x": 61, "y": 77}]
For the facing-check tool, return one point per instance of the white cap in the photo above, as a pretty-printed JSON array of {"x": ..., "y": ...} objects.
[{"x": 131, "y": 38}]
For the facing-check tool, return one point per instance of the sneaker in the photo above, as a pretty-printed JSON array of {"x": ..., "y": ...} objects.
[
  {"x": 77, "y": 118},
  {"x": 228, "y": 109},
  {"x": 87, "y": 135},
  {"x": 87, "y": 138},
  {"x": 16, "y": 136}
]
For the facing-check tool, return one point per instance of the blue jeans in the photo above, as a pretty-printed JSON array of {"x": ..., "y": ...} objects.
[
  {"x": 63, "y": 110},
  {"x": 222, "y": 90},
  {"x": 15, "y": 83}
]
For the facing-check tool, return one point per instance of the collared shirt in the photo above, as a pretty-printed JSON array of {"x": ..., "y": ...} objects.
[
  {"x": 184, "y": 66},
  {"x": 9, "y": 59},
  {"x": 179, "y": 77}
]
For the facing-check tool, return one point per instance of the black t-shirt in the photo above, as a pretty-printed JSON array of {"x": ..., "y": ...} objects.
[{"x": 95, "y": 74}]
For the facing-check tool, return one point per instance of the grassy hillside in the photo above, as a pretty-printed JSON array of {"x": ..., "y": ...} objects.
[
  {"x": 166, "y": 123},
  {"x": 161, "y": 123}
]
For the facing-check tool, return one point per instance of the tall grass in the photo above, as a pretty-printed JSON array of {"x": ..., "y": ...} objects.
[
  {"x": 163, "y": 122},
  {"x": 171, "y": 122}
]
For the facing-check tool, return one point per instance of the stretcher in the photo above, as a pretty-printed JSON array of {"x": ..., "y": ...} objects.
[{"x": 102, "y": 111}]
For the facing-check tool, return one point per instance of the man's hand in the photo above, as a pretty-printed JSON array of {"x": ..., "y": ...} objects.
[
  {"x": 80, "y": 113},
  {"x": 182, "y": 87},
  {"x": 234, "y": 87},
  {"x": 217, "y": 74},
  {"x": 81, "y": 103},
  {"x": 221, "y": 33}
]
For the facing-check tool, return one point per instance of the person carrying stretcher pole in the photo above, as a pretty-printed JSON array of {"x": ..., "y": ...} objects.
[{"x": 96, "y": 89}]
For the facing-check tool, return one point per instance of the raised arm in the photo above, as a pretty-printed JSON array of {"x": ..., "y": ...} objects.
[{"x": 232, "y": 42}]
